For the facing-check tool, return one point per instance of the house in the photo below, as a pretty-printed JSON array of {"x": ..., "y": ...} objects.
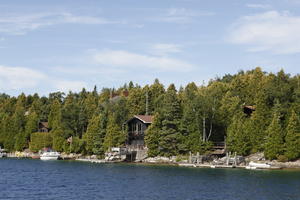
[
  {"x": 43, "y": 127},
  {"x": 136, "y": 127},
  {"x": 248, "y": 110}
]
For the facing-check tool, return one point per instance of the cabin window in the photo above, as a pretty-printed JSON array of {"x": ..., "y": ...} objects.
[{"x": 140, "y": 128}]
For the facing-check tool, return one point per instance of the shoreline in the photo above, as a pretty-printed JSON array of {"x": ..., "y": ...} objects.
[
  {"x": 174, "y": 164},
  {"x": 275, "y": 165}
]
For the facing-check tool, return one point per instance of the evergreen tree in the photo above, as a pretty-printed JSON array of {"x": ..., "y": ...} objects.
[
  {"x": 114, "y": 137},
  {"x": 274, "y": 142},
  {"x": 170, "y": 134},
  {"x": 95, "y": 134},
  {"x": 152, "y": 136},
  {"x": 292, "y": 137},
  {"x": 54, "y": 118},
  {"x": 238, "y": 138},
  {"x": 59, "y": 140},
  {"x": 40, "y": 140}
]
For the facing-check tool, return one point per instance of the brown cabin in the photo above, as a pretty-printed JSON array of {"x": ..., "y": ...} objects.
[
  {"x": 136, "y": 128},
  {"x": 43, "y": 127},
  {"x": 248, "y": 110}
]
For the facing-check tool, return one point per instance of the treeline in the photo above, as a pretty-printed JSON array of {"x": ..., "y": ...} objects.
[{"x": 90, "y": 122}]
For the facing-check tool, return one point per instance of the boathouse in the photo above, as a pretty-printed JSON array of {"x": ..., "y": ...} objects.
[
  {"x": 248, "y": 110},
  {"x": 43, "y": 127},
  {"x": 136, "y": 127}
]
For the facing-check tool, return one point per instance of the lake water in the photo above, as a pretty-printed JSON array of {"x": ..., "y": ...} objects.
[{"x": 35, "y": 179}]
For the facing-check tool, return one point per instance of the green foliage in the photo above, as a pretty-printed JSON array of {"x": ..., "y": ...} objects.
[
  {"x": 54, "y": 118},
  {"x": 95, "y": 134},
  {"x": 40, "y": 140},
  {"x": 59, "y": 139},
  {"x": 114, "y": 137},
  {"x": 274, "y": 142},
  {"x": 238, "y": 135},
  {"x": 170, "y": 135},
  {"x": 188, "y": 120},
  {"x": 152, "y": 136},
  {"x": 292, "y": 138}
]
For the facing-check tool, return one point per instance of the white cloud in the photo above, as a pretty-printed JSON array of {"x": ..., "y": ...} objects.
[
  {"x": 125, "y": 59},
  {"x": 259, "y": 6},
  {"x": 181, "y": 15},
  {"x": 25, "y": 79},
  {"x": 164, "y": 49},
  {"x": 66, "y": 86},
  {"x": 13, "y": 78},
  {"x": 276, "y": 32},
  {"x": 21, "y": 24}
]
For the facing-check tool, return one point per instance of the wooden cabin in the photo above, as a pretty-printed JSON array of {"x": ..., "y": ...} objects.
[
  {"x": 136, "y": 128},
  {"x": 43, "y": 127},
  {"x": 248, "y": 110}
]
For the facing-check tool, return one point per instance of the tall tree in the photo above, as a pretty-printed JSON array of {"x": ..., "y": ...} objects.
[
  {"x": 170, "y": 134},
  {"x": 95, "y": 134},
  {"x": 115, "y": 137},
  {"x": 274, "y": 141},
  {"x": 292, "y": 137}
]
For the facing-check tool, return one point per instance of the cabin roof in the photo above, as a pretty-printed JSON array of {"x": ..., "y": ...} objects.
[
  {"x": 44, "y": 124},
  {"x": 147, "y": 119},
  {"x": 250, "y": 107}
]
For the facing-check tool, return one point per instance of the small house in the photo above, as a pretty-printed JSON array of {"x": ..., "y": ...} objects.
[
  {"x": 136, "y": 128},
  {"x": 43, "y": 127}
]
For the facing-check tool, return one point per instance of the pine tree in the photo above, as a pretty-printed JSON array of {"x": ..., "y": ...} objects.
[
  {"x": 238, "y": 138},
  {"x": 152, "y": 136},
  {"x": 18, "y": 125},
  {"x": 292, "y": 138},
  {"x": 258, "y": 123},
  {"x": 55, "y": 123},
  {"x": 274, "y": 142},
  {"x": 170, "y": 134},
  {"x": 54, "y": 118},
  {"x": 95, "y": 134},
  {"x": 40, "y": 140},
  {"x": 114, "y": 137},
  {"x": 59, "y": 140}
]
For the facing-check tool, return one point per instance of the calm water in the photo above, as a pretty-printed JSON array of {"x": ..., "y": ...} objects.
[{"x": 35, "y": 179}]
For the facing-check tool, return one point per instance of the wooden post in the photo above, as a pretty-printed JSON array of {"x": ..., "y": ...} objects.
[{"x": 235, "y": 159}]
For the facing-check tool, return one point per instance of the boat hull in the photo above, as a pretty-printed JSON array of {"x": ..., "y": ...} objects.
[{"x": 49, "y": 157}]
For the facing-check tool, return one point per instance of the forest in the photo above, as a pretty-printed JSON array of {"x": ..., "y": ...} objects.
[{"x": 186, "y": 119}]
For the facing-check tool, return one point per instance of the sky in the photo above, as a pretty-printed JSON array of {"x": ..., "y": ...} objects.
[{"x": 62, "y": 45}]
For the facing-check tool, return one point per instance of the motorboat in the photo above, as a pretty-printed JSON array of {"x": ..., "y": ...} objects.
[
  {"x": 254, "y": 165},
  {"x": 50, "y": 155},
  {"x": 2, "y": 153}
]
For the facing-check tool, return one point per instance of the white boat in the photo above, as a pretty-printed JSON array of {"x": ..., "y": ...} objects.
[
  {"x": 2, "y": 153},
  {"x": 254, "y": 165},
  {"x": 50, "y": 155}
]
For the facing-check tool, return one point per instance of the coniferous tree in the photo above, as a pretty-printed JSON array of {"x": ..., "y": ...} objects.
[
  {"x": 152, "y": 136},
  {"x": 114, "y": 137},
  {"x": 292, "y": 138},
  {"x": 55, "y": 123},
  {"x": 170, "y": 134},
  {"x": 54, "y": 118},
  {"x": 95, "y": 134},
  {"x": 238, "y": 138},
  {"x": 274, "y": 141}
]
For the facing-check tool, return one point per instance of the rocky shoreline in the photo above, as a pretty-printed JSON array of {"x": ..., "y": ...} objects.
[{"x": 176, "y": 161}]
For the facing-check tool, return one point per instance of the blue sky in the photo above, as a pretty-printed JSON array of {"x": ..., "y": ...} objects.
[{"x": 46, "y": 46}]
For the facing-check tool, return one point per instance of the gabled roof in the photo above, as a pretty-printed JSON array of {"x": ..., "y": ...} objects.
[
  {"x": 44, "y": 124},
  {"x": 147, "y": 119}
]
